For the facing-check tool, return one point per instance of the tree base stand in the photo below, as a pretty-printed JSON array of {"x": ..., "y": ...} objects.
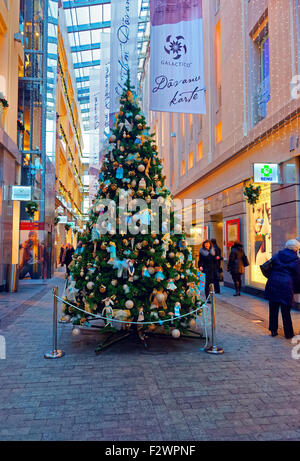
[
  {"x": 214, "y": 350},
  {"x": 115, "y": 338}
]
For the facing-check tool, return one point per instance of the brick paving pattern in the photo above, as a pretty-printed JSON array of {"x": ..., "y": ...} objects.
[{"x": 172, "y": 392}]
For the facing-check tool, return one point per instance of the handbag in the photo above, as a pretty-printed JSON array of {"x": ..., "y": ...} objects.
[
  {"x": 266, "y": 268},
  {"x": 245, "y": 261}
]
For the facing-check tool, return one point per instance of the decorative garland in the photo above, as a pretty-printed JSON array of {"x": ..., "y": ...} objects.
[
  {"x": 31, "y": 208},
  {"x": 20, "y": 125},
  {"x": 4, "y": 103},
  {"x": 252, "y": 193}
]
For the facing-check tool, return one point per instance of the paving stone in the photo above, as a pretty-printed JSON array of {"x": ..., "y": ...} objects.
[{"x": 174, "y": 393}]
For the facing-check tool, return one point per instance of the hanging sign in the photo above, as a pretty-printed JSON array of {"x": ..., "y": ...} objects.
[
  {"x": 123, "y": 47},
  {"x": 176, "y": 57},
  {"x": 266, "y": 173}
]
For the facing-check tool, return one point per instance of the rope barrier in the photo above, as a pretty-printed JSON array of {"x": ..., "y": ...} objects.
[{"x": 160, "y": 322}]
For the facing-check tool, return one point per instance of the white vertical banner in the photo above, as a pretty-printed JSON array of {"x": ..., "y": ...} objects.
[
  {"x": 123, "y": 46},
  {"x": 176, "y": 56},
  {"x": 104, "y": 89},
  {"x": 95, "y": 101}
]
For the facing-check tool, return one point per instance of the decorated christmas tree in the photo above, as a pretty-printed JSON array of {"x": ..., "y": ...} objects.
[{"x": 135, "y": 265}]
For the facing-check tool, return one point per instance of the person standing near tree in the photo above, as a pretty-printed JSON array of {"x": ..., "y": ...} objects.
[
  {"x": 68, "y": 257},
  {"x": 236, "y": 266},
  {"x": 218, "y": 265},
  {"x": 283, "y": 282},
  {"x": 207, "y": 264}
]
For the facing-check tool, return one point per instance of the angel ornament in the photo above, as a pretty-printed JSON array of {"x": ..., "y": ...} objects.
[
  {"x": 171, "y": 285},
  {"x": 177, "y": 308},
  {"x": 107, "y": 310},
  {"x": 130, "y": 270},
  {"x": 94, "y": 238}
]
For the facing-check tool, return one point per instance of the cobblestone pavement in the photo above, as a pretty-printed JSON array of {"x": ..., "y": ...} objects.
[{"x": 171, "y": 392}]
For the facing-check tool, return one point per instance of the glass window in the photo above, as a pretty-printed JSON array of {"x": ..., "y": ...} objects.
[{"x": 259, "y": 236}]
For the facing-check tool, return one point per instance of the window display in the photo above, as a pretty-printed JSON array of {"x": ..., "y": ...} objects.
[{"x": 259, "y": 236}]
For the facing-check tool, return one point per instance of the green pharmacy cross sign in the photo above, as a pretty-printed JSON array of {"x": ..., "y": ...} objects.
[{"x": 266, "y": 173}]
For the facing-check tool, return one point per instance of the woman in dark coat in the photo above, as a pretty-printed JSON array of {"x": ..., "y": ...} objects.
[
  {"x": 236, "y": 266},
  {"x": 207, "y": 264},
  {"x": 69, "y": 257},
  {"x": 218, "y": 265},
  {"x": 281, "y": 285}
]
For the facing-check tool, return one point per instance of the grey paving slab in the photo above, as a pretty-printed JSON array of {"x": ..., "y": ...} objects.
[{"x": 173, "y": 392}]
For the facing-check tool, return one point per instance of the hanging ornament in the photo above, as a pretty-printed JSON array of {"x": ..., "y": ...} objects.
[
  {"x": 175, "y": 333},
  {"x": 119, "y": 172},
  {"x": 130, "y": 269},
  {"x": 177, "y": 309},
  {"x": 145, "y": 272},
  {"x": 129, "y": 304},
  {"x": 141, "y": 315},
  {"x": 141, "y": 168},
  {"x": 102, "y": 289},
  {"x": 126, "y": 289},
  {"x": 159, "y": 276},
  {"x": 171, "y": 285},
  {"x": 90, "y": 285}
]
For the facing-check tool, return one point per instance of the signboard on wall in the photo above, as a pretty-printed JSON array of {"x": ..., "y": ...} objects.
[
  {"x": 22, "y": 193},
  {"x": 266, "y": 173}
]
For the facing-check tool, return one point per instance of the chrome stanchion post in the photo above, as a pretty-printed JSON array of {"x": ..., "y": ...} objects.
[
  {"x": 213, "y": 349},
  {"x": 55, "y": 353}
]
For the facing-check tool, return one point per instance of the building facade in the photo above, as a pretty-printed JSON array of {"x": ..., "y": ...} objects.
[
  {"x": 11, "y": 61},
  {"x": 252, "y": 54},
  {"x": 50, "y": 139}
]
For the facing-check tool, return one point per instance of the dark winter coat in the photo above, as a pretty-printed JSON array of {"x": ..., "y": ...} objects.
[
  {"x": 207, "y": 260},
  {"x": 69, "y": 256},
  {"x": 284, "y": 278},
  {"x": 236, "y": 260}
]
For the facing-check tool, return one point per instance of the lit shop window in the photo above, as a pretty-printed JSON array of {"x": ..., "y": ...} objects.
[
  {"x": 191, "y": 160},
  {"x": 259, "y": 236},
  {"x": 219, "y": 133},
  {"x": 182, "y": 121},
  {"x": 199, "y": 151},
  {"x": 182, "y": 167}
]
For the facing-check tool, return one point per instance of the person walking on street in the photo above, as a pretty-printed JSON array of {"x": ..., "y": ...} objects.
[
  {"x": 283, "y": 282},
  {"x": 207, "y": 264},
  {"x": 218, "y": 265},
  {"x": 68, "y": 257},
  {"x": 236, "y": 266}
]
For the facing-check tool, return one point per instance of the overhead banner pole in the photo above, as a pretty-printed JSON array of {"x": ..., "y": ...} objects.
[
  {"x": 176, "y": 57},
  {"x": 123, "y": 46}
]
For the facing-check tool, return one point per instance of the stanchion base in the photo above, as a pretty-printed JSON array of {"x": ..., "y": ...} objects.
[
  {"x": 54, "y": 354},
  {"x": 214, "y": 350}
]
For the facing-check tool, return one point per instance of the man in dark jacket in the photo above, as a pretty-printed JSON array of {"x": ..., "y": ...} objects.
[
  {"x": 281, "y": 285},
  {"x": 236, "y": 266}
]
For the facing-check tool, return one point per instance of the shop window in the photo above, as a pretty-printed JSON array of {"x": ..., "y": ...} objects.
[
  {"x": 219, "y": 132},
  {"x": 259, "y": 236},
  {"x": 182, "y": 122},
  {"x": 261, "y": 69},
  {"x": 199, "y": 151},
  {"x": 183, "y": 167},
  {"x": 191, "y": 160}
]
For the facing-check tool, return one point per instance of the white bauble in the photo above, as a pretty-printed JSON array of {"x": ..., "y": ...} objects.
[
  {"x": 126, "y": 288},
  {"x": 114, "y": 282},
  {"x": 152, "y": 250},
  {"x": 129, "y": 304},
  {"x": 175, "y": 333},
  {"x": 75, "y": 332},
  {"x": 90, "y": 285},
  {"x": 141, "y": 168}
]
